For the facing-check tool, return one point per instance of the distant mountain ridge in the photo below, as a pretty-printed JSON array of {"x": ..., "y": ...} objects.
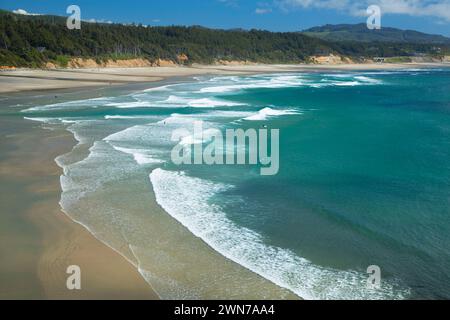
[{"x": 360, "y": 33}]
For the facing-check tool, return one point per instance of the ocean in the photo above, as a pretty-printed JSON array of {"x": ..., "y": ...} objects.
[{"x": 364, "y": 181}]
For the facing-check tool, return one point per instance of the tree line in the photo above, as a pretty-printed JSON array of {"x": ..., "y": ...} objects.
[{"x": 32, "y": 41}]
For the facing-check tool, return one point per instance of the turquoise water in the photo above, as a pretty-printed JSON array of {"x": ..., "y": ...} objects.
[{"x": 364, "y": 174}]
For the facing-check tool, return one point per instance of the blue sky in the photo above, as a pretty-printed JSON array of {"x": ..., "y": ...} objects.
[{"x": 432, "y": 16}]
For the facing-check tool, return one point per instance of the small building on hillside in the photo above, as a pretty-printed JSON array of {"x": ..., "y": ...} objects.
[{"x": 379, "y": 59}]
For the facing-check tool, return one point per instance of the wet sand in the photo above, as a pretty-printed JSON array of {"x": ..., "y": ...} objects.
[{"x": 38, "y": 241}]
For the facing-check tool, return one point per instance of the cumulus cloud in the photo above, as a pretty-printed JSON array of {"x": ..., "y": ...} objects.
[{"x": 420, "y": 8}]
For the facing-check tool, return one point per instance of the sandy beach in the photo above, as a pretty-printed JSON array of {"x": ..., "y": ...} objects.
[{"x": 39, "y": 242}]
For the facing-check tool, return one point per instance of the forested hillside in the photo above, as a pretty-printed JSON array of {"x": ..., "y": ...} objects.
[
  {"x": 360, "y": 32},
  {"x": 32, "y": 41}
]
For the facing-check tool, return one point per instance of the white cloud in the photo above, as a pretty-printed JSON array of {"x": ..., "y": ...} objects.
[
  {"x": 420, "y": 8},
  {"x": 92, "y": 20},
  {"x": 25, "y": 13}
]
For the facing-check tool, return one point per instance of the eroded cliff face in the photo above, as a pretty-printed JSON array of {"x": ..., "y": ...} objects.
[
  {"x": 79, "y": 63},
  {"x": 234, "y": 63},
  {"x": 182, "y": 59},
  {"x": 331, "y": 59},
  {"x": 82, "y": 63}
]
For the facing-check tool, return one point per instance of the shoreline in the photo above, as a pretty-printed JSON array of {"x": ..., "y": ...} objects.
[
  {"x": 35, "y": 261},
  {"x": 114, "y": 272},
  {"x": 48, "y": 226},
  {"x": 216, "y": 258},
  {"x": 36, "y": 80}
]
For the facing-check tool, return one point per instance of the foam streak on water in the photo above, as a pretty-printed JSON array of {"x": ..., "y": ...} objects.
[{"x": 187, "y": 199}]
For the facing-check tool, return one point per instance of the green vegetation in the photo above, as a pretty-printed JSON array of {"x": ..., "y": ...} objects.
[
  {"x": 32, "y": 41},
  {"x": 360, "y": 33},
  {"x": 62, "y": 61},
  {"x": 398, "y": 60}
]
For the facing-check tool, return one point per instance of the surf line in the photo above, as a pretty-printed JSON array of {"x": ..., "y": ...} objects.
[{"x": 235, "y": 147}]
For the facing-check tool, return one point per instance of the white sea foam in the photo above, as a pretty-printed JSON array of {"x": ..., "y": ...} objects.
[
  {"x": 235, "y": 115},
  {"x": 339, "y": 75},
  {"x": 344, "y": 83},
  {"x": 188, "y": 200},
  {"x": 211, "y": 103},
  {"x": 189, "y": 119},
  {"x": 341, "y": 83},
  {"x": 93, "y": 103},
  {"x": 161, "y": 88},
  {"x": 129, "y": 105},
  {"x": 82, "y": 178},
  {"x": 191, "y": 140},
  {"x": 288, "y": 81},
  {"x": 198, "y": 103},
  {"x": 269, "y": 112},
  {"x": 119, "y": 117},
  {"x": 67, "y": 121},
  {"x": 52, "y": 120},
  {"x": 140, "y": 135},
  {"x": 141, "y": 156},
  {"x": 81, "y": 138},
  {"x": 254, "y": 83},
  {"x": 232, "y": 88},
  {"x": 45, "y": 120},
  {"x": 367, "y": 79},
  {"x": 202, "y": 137}
]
